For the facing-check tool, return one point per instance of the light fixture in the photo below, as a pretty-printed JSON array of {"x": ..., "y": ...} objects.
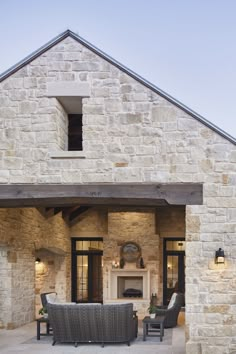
[
  {"x": 37, "y": 260},
  {"x": 220, "y": 256}
]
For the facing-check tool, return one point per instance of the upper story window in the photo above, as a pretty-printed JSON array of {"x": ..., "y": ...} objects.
[
  {"x": 75, "y": 137},
  {"x": 70, "y": 95}
]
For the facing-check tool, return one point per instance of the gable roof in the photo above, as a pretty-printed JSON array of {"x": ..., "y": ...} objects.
[{"x": 123, "y": 68}]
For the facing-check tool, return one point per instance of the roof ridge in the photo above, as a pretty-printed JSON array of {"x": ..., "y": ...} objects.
[{"x": 120, "y": 66}]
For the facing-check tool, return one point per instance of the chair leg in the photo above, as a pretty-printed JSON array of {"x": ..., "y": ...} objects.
[
  {"x": 54, "y": 342},
  {"x": 76, "y": 344}
]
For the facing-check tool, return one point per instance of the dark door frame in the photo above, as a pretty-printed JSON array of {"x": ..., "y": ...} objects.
[
  {"x": 181, "y": 265},
  {"x": 74, "y": 254}
]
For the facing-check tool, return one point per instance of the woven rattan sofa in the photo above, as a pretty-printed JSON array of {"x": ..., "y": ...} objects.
[{"x": 92, "y": 323}]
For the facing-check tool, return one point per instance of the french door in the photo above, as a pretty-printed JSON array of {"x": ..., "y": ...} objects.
[
  {"x": 174, "y": 268},
  {"x": 87, "y": 263}
]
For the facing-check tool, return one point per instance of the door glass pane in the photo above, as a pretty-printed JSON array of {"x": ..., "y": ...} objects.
[
  {"x": 97, "y": 283},
  {"x": 172, "y": 275},
  {"x": 89, "y": 245},
  {"x": 82, "y": 278},
  {"x": 175, "y": 245}
]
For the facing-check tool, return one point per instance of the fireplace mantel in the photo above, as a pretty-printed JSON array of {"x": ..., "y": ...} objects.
[{"x": 114, "y": 274}]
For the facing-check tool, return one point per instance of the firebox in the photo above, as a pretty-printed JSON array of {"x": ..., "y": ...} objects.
[{"x": 129, "y": 286}]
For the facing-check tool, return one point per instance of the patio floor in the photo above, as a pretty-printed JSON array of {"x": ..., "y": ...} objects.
[{"x": 23, "y": 340}]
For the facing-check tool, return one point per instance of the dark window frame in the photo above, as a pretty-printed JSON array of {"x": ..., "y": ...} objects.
[
  {"x": 74, "y": 254},
  {"x": 75, "y": 132}
]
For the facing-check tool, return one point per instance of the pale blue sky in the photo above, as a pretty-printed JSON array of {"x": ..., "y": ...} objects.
[{"x": 185, "y": 47}]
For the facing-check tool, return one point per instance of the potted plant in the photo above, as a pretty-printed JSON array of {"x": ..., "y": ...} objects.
[
  {"x": 152, "y": 310},
  {"x": 43, "y": 312}
]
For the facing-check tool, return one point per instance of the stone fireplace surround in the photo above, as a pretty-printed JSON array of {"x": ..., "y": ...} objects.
[{"x": 115, "y": 275}]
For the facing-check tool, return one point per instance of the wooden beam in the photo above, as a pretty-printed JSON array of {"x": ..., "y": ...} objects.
[
  {"x": 100, "y": 194},
  {"x": 75, "y": 215}
]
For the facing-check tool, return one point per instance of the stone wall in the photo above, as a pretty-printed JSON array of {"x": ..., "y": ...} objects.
[
  {"x": 23, "y": 232},
  {"x": 136, "y": 225},
  {"x": 130, "y": 135},
  {"x": 5, "y": 287},
  {"x": 50, "y": 276}
]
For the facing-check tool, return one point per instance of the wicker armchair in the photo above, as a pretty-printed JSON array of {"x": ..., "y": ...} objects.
[
  {"x": 171, "y": 313},
  {"x": 44, "y": 300}
]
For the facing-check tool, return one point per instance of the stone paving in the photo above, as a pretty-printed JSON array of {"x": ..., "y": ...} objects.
[{"x": 23, "y": 340}]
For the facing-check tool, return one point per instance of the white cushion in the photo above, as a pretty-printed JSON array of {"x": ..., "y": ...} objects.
[
  {"x": 52, "y": 298},
  {"x": 64, "y": 303},
  {"x": 172, "y": 301},
  {"x": 88, "y": 303}
]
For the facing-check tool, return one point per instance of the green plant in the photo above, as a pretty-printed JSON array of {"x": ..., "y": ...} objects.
[
  {"x": 152, "y": 308},
  {"x": 42, "y": 311}
]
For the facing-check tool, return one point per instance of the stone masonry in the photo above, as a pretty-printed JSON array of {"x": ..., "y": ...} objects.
[
  {"x": 130, "y": 134},
  {"x": 24, "y": 235}
]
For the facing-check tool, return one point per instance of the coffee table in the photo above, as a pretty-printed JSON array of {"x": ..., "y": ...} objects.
[{"x": 148, "y": 322}]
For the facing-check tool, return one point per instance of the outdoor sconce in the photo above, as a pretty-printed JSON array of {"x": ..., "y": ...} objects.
[
  {"x": 220, "y": 256},
  {"x": 37, "y": 260}
]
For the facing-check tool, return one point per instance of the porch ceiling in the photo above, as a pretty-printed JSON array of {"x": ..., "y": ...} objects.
[{"x": 13, "y": 196}]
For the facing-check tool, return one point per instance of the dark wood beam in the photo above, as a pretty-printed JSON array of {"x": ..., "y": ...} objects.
[
  {"x": 76, "y": 214},
  {"x": 100, "y": 194},
  {"x": 67, "y": 211}
]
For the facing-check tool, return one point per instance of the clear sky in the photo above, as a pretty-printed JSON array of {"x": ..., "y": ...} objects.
[{"x": 185, "y": 47}]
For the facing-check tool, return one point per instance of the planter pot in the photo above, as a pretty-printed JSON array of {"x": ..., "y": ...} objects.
[
  {"x": 152, "y": 315},
  {"x": 45, "y": 315}
]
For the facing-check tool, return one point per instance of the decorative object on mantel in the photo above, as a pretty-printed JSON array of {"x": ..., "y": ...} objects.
[
  {"x": 141, "y": 263},
  {"x": 122, "y": 263},
  {"x": 130, "y": 252},
  {"x": 115, "y": 264}
]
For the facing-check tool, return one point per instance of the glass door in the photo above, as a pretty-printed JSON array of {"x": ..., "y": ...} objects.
[
  {"x": 87, "y": 281},
  {"x": 174, "y": 268}
]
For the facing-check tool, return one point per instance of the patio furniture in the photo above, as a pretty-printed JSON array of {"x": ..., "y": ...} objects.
[
  {"x": 44, "y": 298},
  {"x": 92, "y": 323},
  {"x": 149, "y": 322},
  {"x": 48, "y": 329},
  {"x": 171, "y": 311}
]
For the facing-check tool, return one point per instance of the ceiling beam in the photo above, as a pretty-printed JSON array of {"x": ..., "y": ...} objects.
[
  {"x": 100, "y": 194},
  {"x": 76, "y": 214}
]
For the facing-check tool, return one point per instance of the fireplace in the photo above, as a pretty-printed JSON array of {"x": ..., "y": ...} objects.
[
  {"x": 136, "y": 282},
  {"x": 129, "y": 286}
]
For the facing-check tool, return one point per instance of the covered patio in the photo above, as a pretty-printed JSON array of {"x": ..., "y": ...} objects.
[{"x": 40, "y": 221}]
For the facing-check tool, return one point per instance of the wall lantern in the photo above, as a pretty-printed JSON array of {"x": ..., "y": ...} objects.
[
  {"x": 37, "y": 260},
  {"x": 220, "y": 256}
]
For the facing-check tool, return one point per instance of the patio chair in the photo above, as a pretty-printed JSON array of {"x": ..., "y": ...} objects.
[
  {"x": 171, "y": 311},
  {"x": 44, "y": 298}
]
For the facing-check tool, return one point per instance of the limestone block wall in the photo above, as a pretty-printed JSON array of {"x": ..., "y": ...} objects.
[
  {"x": 130, "y": 135},
  {"x": 22, "y": 233},
  {"x": 5, "y": 287},
  {"x": 50, "y": 276},
  {"x": 92, "y": 223},
  {"x": 137, "y": 225}
]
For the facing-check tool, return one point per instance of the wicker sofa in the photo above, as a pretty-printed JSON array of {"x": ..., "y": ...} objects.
[{"x": 92, "y": 323}]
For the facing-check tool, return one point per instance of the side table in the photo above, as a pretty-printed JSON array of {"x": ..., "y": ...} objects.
[
  {"x": 147, "y": 322},
  {"x": 39, "y": 321}
]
